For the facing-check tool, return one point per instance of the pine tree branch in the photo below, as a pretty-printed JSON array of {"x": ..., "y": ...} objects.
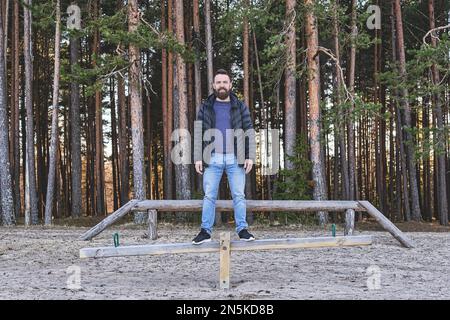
[
  {"x": 329, "y": 53},
  {"x": 432, "y": 33}
]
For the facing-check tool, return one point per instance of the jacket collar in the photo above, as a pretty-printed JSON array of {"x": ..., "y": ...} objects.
[{"x": 233, "y": 99}]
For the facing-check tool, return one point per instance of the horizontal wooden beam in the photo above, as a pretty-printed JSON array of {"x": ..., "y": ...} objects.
[
  {"x": 265, "y": 244},
  {"x": 252, "y": 205}
]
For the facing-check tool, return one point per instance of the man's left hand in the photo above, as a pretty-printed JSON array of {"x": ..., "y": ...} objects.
[{"x": 248, "y": 164}]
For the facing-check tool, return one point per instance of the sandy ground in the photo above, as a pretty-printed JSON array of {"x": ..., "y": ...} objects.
[{"x": 38, "y": 263}]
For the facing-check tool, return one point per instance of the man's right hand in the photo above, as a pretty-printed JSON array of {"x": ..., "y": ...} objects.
[{"x": 199, "y": 167}]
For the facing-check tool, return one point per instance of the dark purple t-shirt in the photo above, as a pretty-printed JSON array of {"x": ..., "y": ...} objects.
[{"x": 223, "y": 122}]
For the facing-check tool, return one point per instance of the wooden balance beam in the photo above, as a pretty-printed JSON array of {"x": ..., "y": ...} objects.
[
  {"x": 224, "y": 248},
  {"x": 299, "y": 206}
]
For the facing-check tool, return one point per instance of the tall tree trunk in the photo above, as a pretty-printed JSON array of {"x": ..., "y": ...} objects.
[
  {"x": 31, "y": 194},
  {"x": 182, "y": 175},
  {"x": 5, "y": 12},
  {"x": 165, "y": 108},
  {"x": 426, "y": 162},
  {"x": 190, "y": 80},
  {"x": 409, "y": 141},
  {"x": 318, "y": 171},
  {"x": 209, "y": 48},
  {"x": 148, "y": 136},
  {"x": 114, "y": 161},
  {"x": 65, "y": 165},
  {"x": 123, "y": 143},
  {"x": 15, "y": 110},
  {"x": 197, "y": 40},
  {"x": 75, "y": 134},
  {"x": 351, "y": 88},
  {"x": 302, "y": 117},
  {"x": 58, "y": 207},
  {"x": 402, "y": 182},
  {"x": 6, "y": 191},
  {"x": 197, "y": 71},
  {"x": 440, "y": 139},
  {"x": 245, "y": 57},
  {"x": 210, "y": 80},
  {"x": 99, "y": 155},
  {"x": 394, "y": 169},
  {"x": 340, "y": 129},
  {"x": 54, "y": 134},
  {"x": 169, "y": 119},
  {"x": 380, "y": 151},
  {"x": 246, "y": 79},
  {"x": 290, "y": 85},
  {"x": 137, "y": 128}
]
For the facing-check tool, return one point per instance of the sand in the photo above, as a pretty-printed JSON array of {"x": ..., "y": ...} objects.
[{"x": 43, "y": 263}]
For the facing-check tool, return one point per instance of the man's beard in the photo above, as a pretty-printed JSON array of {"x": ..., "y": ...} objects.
[{"x": 222, "y": 93}]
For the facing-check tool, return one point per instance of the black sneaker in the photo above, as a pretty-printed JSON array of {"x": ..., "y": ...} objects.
[
  {"x": 203, "y": 236},
  {"x": 245, "y": 235}
]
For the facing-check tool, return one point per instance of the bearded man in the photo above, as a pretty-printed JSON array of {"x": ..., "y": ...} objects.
[{"x": 229, "y": 120}]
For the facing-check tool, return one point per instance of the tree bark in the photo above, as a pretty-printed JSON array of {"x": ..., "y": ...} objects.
[
  {"x": 31, "y": 194},
  {"x": 351, "y": 88},
  {"x": 246, "y": 80},
  {"x": 209, "y": 48},
  {"x": 15, "y": 111},
  {"x": 169, "y": 120},
  {"x": 318, "y": 171},
  {"x": 290, "y": 85},
  {"x": 440, "y": 139},
  {"x": 340, "y": 129},
  {"x": 6, "y": 191},
  {"x": 380, "y": 150},
  {"x": 54, "y": 129},
  {"x": 99, "y": 166},
  {"x": 123, "y": 143},
  {"x": 137, "y": 128},
  {"x": 197, "y": 72},
  {"x": 114, "y": 158},
  {"x": 183, "y": 183},
  {"x": 5, "y": 12},
  {"x": 409, "y": 139},
  {"x": 75, "y": 134}
]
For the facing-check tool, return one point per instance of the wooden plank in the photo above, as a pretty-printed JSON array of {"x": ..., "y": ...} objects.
[
  {"x": 252, "y": 205},
  {"x": 387, "y": 224},
  {"x": 298, "y": 243},
  {"x": 266, "y": 244},
  {"x": 122, "y": 211},
  {"x": 224, "y": 271},
  {"x": 155, "y": 249}
]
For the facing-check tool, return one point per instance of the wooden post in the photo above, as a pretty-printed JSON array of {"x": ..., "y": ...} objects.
[
  {"x": 152, "y": 222},
  {"x": 225, "y": 253},
  {"x": 349, "y": 222}
]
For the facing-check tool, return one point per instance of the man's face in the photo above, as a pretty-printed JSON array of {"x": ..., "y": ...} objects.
[{"x": 222, "y": 86}]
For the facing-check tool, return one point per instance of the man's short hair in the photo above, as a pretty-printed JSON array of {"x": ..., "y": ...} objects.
[{"x": 221, "y": 71}]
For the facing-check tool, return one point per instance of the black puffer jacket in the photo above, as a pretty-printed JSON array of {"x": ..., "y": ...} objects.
[{"x": 240, "y": 119}]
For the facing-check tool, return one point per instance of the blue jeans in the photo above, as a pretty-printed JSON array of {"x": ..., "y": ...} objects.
[{"x": 211, "y": 180}]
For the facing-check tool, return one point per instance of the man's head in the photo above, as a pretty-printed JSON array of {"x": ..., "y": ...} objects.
[{"x": 222, "y": 84}]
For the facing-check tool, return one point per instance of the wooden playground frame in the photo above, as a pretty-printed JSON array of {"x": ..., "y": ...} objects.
[{"x": 224, "y": 246}]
